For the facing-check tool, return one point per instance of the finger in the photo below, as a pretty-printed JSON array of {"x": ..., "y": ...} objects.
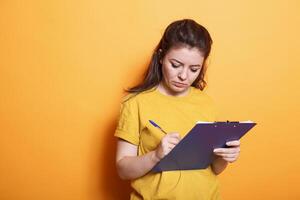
[
  {"x": 228, "y": 155},
  {"x": 169, "y": 136},
  {"x": 171, "y": 146},
  {"x": 173, "y": 141},
  {"x": 231, "y": 160},
  {"x": 227, "y": 150},
  {"x": 233, "y": 143},
  {"x": 174, "y": 135}
]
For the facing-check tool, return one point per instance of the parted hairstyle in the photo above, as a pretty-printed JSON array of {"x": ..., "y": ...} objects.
[{"x": 180, "y": 33}]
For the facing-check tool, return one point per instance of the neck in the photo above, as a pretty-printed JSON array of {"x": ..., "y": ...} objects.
[{"x": 163, "y": 88}]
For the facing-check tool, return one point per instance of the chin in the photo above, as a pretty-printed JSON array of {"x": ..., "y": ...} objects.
[{"x": 177, "y": 89}]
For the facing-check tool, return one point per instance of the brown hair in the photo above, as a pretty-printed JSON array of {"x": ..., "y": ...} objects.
[{"x": 187, "y": 33}]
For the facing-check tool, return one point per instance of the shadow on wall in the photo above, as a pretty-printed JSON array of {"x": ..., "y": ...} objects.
[{"x": 109, "y": 183}]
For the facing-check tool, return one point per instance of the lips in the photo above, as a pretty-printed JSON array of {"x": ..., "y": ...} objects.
[{"x": 179, "y": 84}]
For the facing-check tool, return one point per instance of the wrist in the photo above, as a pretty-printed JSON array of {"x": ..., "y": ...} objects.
[
  {"x": 221, "y": 161},
  {"x": 219, "y": 165},
  {"x": 154, "y": 157}
]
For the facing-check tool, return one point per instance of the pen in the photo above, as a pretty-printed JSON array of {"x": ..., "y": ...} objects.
[{"x": 155, "y": 125}]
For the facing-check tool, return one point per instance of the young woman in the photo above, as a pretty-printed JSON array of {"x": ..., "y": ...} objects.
[{"x": 172, "y": 95}]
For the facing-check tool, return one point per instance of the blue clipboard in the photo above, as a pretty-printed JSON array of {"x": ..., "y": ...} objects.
[{"x": 195, "y": 150}]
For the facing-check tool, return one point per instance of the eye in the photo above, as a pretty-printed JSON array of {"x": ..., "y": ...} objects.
[
  {"x": 175, "y": 66},
  {"x": 194, "y": 70}
]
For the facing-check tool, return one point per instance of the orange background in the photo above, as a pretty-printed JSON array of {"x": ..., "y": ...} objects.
[{"x": 63, "y": 67}]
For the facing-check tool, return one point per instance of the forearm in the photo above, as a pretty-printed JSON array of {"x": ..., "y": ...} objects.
[
  {"x": 219, "y": 165},
  {"x": 132, "y": 167}
]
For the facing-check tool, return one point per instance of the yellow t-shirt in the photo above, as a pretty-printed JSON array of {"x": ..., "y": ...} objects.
[{"x": 173, "y": 114}]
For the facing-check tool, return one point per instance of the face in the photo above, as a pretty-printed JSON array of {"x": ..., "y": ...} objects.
[{"x": 180, "y": 67}]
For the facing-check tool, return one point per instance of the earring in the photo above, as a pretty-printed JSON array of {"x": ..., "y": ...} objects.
[{"x": 159, "y": 51}]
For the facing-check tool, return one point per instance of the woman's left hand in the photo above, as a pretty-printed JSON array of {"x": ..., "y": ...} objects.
[{"x": 231, "y": 153}]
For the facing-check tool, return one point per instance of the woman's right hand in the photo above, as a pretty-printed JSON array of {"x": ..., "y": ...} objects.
[{"x": 167, "y": 143}]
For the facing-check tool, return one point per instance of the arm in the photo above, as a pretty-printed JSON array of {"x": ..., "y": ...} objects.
[
  {"x": 219, "y": 165},
  {"x": 225, "y": 156},
  {"x": 131, "y": 166}
]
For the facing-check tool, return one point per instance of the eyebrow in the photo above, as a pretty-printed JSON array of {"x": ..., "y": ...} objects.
[{"x": 183, "y": 64}]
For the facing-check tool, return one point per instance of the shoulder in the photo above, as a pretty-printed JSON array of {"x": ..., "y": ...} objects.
[
  {"x": 134, "y": 98},
  {"x": 132, "y": 103}
]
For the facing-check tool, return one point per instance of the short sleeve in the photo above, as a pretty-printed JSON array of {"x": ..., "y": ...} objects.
[{"x": 128, "y": 122}]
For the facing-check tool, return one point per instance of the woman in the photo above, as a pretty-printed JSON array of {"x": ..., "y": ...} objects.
[{"x": 171, "y": 95}]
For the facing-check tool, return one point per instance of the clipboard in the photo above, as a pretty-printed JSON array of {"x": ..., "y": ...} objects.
[{"x": 195, "y": 150}]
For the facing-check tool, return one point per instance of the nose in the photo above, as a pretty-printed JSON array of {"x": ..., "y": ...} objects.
[{"x": 182, "y": 75}]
